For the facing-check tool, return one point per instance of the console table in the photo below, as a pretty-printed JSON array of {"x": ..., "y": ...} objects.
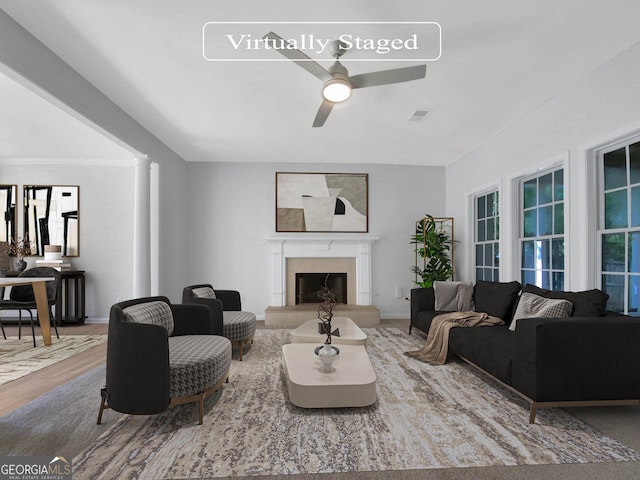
[{"x": 70, "y": 306}]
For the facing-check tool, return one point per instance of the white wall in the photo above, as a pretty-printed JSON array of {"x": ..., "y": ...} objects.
[
  {"x": 232, "y": 212},
  {"x": 598, "y": 109},
  {"x": 106, "y": 221}
]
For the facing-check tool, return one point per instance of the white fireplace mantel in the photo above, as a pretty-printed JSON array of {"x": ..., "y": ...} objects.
[{"x": 318, "y": 247}]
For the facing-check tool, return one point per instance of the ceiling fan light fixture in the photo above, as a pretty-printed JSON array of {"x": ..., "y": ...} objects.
[{"x": 336, "y": 90}]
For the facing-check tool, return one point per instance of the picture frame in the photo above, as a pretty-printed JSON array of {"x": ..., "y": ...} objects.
[
  {"x": 51, "y": 217},
  {"x": 322, "y": 202}
]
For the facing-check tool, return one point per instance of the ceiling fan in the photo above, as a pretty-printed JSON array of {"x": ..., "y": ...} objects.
[{"x": 337, "y": 84}]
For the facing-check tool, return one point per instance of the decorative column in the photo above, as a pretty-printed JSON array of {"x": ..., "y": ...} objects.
[{"x": 142, "y": 228}]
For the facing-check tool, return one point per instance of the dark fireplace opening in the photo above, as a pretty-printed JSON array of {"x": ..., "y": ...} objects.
[{"x": 308, "y": 286}]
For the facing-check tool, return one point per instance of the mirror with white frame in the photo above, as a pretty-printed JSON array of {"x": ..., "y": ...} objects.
[{"x": 51, "y": 217}]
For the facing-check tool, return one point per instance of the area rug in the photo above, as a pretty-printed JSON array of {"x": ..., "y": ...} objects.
[
  {"x": 18, "y": 357},
  {"x": 425, "y": 417}
]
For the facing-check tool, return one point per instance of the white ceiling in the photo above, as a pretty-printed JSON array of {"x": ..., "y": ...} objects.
[{"x": 500, "y": 60}]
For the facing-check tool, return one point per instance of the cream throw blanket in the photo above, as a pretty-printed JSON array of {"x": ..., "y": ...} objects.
[{"x": 437, "y": 347}]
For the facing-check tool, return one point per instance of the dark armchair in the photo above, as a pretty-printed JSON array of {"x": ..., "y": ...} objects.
[
  {"x": 142, "y": 376},
  {"x": 225, "y": 305}
]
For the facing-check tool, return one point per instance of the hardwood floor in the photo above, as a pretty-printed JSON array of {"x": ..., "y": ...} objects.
[{"x": 18, "y": 392}]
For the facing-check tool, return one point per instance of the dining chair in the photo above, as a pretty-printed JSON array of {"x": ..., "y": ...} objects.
[{"x": 22, "y": 298}]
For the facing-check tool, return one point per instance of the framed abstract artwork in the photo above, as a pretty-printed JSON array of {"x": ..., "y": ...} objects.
[{"x": 322, "y": 202}]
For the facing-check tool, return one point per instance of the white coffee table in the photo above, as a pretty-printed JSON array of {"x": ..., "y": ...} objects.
[
  {"x": 351, "y": 383},
  {"x": 350, "y": 333}
]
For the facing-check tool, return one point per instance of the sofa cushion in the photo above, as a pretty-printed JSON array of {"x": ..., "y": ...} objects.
[
  {"x": 204, "y": 292},
  {"x": 490, "y": 348},
  {"x": 590, "y": 303},
  {"x": 496, "y": 298},
  {"x": 238, "y": 326},
  {"x": 197, "y": 362},
  {"x": 535, "y": 306},
  {"x": 152, "y": 313}
]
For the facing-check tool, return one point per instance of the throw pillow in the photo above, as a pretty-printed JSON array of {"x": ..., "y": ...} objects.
[
  {"x": 452, "y": 296},
  {"x": 204, "y": 292},
  {"x": 152, "y": 313},
  {"x": 535, "y": 306},
  {"x": 496, "y": 298},
  {"x": 590, "y": 303}
]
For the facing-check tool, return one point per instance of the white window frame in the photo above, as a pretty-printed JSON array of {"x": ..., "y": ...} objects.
[
  {"x": 475, "y": 197},
  {"x": 600, "y": 227},
  {"x": 521, "y": 224}
]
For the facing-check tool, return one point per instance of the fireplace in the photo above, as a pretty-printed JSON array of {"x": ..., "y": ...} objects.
[
  {"x": 308, "y": 254},
  {"x": 314, "y": 254},
  {"x": 309, "y": 285}
]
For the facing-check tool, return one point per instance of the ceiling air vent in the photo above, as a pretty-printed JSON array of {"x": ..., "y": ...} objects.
[{"x": 419, "y": 115}]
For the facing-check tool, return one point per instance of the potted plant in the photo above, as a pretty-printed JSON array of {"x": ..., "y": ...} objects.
[{"x": 434, "y": 246}]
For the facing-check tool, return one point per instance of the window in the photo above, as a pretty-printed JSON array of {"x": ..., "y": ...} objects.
[
  {"x": 487, "y": 221},
  {"x": 619, "y": 232},
  {"x": 542, "y": 230}
]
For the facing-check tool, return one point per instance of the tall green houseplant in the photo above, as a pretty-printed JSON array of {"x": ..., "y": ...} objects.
[{"x": 433, "y": 242}]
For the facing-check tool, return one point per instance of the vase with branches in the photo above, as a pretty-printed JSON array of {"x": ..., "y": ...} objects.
[
  {"x": 19, "y": 248},
  {"x": 325, "y": 308}
]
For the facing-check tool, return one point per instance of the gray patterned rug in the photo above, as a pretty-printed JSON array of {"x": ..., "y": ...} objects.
[
  {"x": 18, "y": 357},
  {"x": 426, "y": 417}
]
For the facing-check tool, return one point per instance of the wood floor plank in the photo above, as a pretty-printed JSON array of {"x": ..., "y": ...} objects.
[{"x": 22, "y": 390}]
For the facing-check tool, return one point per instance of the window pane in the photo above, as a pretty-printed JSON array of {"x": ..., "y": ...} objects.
[
  {"x": 558, "y": 186},
  {"x": 615, "y": 169},
  {"x": 492, "y": 204},
  {"x": 613, "y": 252},
  {"x": 545, "y": 280},
  {"x": 496, "y": 254},
  {"x": 491, "y": 229},
  {"x": 497, "y": 228},
  {"x": 479, "y": 274},
  {"x": 557, "y": 254},
  {"x": 488, "y": 273},
  {"x": 481, "y": 231},
  {"x": 558, "y": 218},
  {"x": 530, "y": 223},
  {"x": 615, "y": 209},
  {"x": 496, "y": 275},
  {"x": 481, "y": 207},
  {"x": 528, "y": 255},
  {"x": 635, "y": 206},
  {"x": 530, "y": 193},
  {"x": 528, "y": 276},
  {"x": 545, "y": 189},
  {"x": 545, "y": 220},
  {"x": 613, "y": 285},
  {"x": 558, "y": 281},
  {"x": 479, "y": 255},
  {"x": 488, "y": 255},
  {"x": 634, "y": 252},
  {"x": 634, "y": 285},
  {"x": 634, "y": 158},
  {"x": 544, "y": 254}
]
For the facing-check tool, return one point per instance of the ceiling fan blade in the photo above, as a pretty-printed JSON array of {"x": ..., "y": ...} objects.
[
  {"x": 323, "y": 113},
  {"x": 386, "y": 77},
  {"x": 299, "y": 57}
]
